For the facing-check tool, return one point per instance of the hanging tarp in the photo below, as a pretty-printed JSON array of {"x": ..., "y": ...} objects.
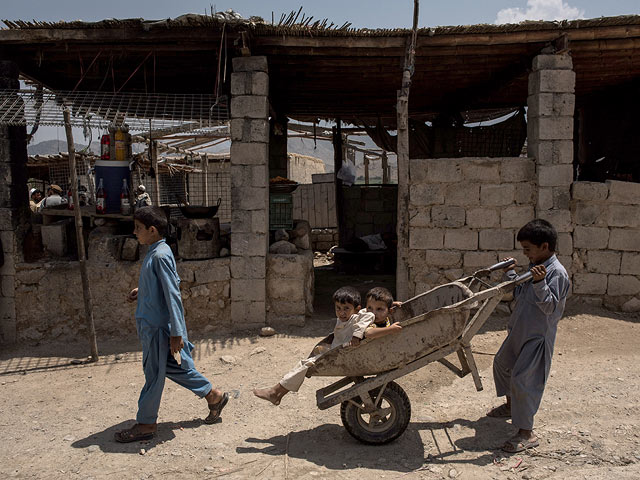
[{"x": 504, "y": 139}]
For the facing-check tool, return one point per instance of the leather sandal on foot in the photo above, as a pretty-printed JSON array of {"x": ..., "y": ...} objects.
[
  {"x": 133, "y": 434},
  {"x": 518, "y": 444},
  {"x": 215, "y": 409}
]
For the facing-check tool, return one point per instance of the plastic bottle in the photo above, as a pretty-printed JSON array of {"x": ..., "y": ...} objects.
[
  {"x": 121, "y": 145},
  {"x": 101, "y": 199},
  {"x": 105, "y": 147},
  {"x": 125, "y": 202}
]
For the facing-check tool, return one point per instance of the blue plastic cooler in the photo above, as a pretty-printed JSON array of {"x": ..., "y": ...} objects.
[{"x": 112, "y": 173}]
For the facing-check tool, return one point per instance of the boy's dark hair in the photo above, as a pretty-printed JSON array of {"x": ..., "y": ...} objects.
[
  {"x": 152, "y": 217},
  {"x": 347, "y": 295},
  {"x": 380, "y": 294},
  {"x": 537, "y": 232}
]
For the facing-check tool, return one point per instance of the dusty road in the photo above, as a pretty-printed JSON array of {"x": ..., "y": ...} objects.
[{"x": 57, "y": 420}]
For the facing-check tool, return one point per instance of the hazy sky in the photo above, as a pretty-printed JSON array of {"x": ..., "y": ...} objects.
[{"x": 361, "y": 13}]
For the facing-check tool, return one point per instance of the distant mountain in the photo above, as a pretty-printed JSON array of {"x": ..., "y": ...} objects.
[{"x": 52, "y": 147}]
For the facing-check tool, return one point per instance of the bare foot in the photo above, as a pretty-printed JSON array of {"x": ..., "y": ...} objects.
[{"x": 273, "y": 394}]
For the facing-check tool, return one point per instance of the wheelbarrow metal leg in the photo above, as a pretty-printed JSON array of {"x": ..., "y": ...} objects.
[{"x": 472, "y": 366}]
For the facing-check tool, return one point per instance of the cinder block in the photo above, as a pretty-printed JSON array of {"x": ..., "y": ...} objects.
[
  {"x": 249, "y": 244},
  {"x": 590, "y": 237},
  {"x": 603, "y": 261},
  {"x": 567, "y": 263},
  {"x": 551, "y": 81},
  {"x": 483, "y": 217},
  {"x": 240, "y": 84},
  {"x": 461, "y": 239},
  {"x": 248, "y": 289},
  {"x": 260, "y": 176},
  {"x": 442, "y": 258},
  {"x": 551, "y": 128},
  {"x": 545, "y": 198},
  {"x": 8, "y": 285},
  {"x": 561, "y": 198},
  {"x": 286, "y": 289},
  {"x": 625, "y": 239},
  {"x": 551, "y": 104},
  {"x": 426, "y": 238},
  {"x": 249, "y": 198},
  {"x": 54, "y": 238},
  {"x": 623, "y": 285},
  {"x": 565, "y": 244},
  {"x": 259, "y": 221},
  {"x": 480, "y": 171},
  {"x": 241, "y": 221},
  {"x": 462, "y": 194},
  {"x": 8, "y": 239},
  {"x": 516, "y": 216},
  {"x": 497, "y": 195},
  {"x": 551, "y": 152},
  {"x": 517, "y": 170},
  {"x": 420, "y": 217},
  {"x": 240, "y": 176},
  {"x": 560, "y": 219},
  {"x": 624, "y": 216},
  {"x": 447, "y": 216},
  {"x": 260, "y": 83},
  {"x": 624, "y": 192},
  {"x": 589, "y": 191},
  {"x": 491, "y": 239},
  {"x": 444, "y": 170},
  {"x": 524, "y": 193},
  {"x": 257, "y": 63},
  {"x": 630, "y": 263},
  {"x": 589, "y": 213},
  {"x": 480, "y": 259},
  {"x": 218, "y": 273},
  {"x": 249, "y": 106},
  {"x": 555, "y": 175},
  {"x": 418, "y": 171},
  {"x": 236, "y": 129},
  {"x": 243, "y": 153},
  {"x": 562, "y": 61},
  {"x": 589, "y": 283},
  {"x": 420, "y": 195},
  {"x": 259, "y": 131}
]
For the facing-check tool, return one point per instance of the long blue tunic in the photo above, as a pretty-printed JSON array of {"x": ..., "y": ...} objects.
[
  {"x": 159, "y": 316},
  {"x": 521, "y": 366}
]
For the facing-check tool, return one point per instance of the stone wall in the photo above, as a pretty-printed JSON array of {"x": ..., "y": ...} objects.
[
  {"x": 464, "y": 214},
  {"x": 606, "y": 243},
  {"x": 290, "y": 288},
  {"x": 302, "y": 167},
  {"x": 369, "y": 209},
  {"x": 50, "y": 305},
  {"x": 322, "y": 239}
]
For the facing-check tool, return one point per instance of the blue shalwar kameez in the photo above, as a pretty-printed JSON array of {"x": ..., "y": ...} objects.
[
  {"x": 521, "y": 366},
  {"x": 159, "y": 316}
]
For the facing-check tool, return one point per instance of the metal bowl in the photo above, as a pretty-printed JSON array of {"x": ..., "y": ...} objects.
[{"x": 282, "y": 187}]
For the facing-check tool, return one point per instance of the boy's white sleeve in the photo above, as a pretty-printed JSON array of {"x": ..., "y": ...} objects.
[{"x": 365, "y": 319}]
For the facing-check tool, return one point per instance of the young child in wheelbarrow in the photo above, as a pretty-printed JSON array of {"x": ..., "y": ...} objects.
[
  {"x": 521, "y": 366},
  {"x": 352, "y": 325},
  {"x": 162, "y": 330}
]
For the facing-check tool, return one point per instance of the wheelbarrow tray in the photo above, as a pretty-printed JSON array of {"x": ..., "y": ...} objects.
[{"x": 429, "y": 321}]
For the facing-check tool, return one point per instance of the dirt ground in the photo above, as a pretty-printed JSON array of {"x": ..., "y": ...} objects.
[{"x": 57, "y": 418}]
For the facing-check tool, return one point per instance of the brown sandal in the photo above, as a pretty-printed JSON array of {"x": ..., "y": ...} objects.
[
  {"x": 133, "y": 434},
  {"x": 215, "y": 409}
]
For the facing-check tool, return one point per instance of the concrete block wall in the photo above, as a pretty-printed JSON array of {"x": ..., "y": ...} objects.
[
  {"x": 249, "y": 190},
  {"x": 370, "y": 209},
  {"x": 290, "y": 288},
  {"x": 464, "y": 214},
  {"x": 322, "y": 239},
  {"x": 606, "y": 243}
]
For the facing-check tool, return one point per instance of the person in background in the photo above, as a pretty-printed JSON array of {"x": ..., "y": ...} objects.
[
  {"x": 35, "y": 197},
  {"x": 54, "y": 198},
  {"x": 142, "y": 197}
]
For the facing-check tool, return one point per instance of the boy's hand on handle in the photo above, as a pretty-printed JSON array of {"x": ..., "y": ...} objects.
[
  {"x": 176, "y": 345},
  {"x": 133, "y": 295},
  {"x": 394, "y": 327},
  {"x": 512, "y": 266},
  {"x": 539, "y": 272},
  {"x": 355, "y": 341},
  {"x": 396, "y": 304}
]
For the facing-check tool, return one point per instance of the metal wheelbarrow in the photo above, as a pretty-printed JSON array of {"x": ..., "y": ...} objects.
[{"x": 437, "y": 323}]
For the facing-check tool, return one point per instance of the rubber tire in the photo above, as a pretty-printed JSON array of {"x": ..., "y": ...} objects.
[{"x": 397, "y": 398}]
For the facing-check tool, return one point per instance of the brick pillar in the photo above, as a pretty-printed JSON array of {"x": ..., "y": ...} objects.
[
  {"x": 13, "y": 206},
  {"x": 551, "y": 105},
  {"x": 249, "y": 190}
]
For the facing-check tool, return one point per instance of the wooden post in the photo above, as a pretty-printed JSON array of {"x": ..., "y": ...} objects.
[
  {"x": 86, "y": 291},
  {"x": 204, "y": 164},
  {"x": 338, "y": 151},
  {"x": 402, "y": 269},
  {"x": 366, "y": 169},
  {"x": 385, "y": 168},
  {"x": 153, "y": 151}
]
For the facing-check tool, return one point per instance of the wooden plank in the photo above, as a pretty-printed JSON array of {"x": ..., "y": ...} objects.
[
  {"x": 324, "y": 205},
  {"x": 295, "y": 196},
  {"x": 331, "y": 194},
  {"x": 317, "y": 204},
  {"x": 311, "y": 206}
]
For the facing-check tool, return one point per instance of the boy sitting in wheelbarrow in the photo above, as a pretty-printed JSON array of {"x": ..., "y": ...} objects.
[
  {"x": 350, "y": 328},
  {"x": 521, "y": 366},
  {"x": 380, "y": 303}
]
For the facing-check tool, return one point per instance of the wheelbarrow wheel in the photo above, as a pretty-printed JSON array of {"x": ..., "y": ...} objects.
[{"x": 383, "y": 425}]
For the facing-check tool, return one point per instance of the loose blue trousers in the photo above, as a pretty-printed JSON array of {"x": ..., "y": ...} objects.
[{"x": 158, "y": 363}]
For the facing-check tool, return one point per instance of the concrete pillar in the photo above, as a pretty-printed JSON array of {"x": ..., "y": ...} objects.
[
  {"x": 551, "y": 105},
  {"x": 278, "y": 162},
  {"x": 14, "y": 206},
  {"x": 249, "y": 190}
]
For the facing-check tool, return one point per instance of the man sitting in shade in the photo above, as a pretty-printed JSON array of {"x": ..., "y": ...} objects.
[{"x": 54, "y": 198}]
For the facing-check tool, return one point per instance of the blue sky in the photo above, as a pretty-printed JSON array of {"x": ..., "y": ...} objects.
[{"x": 361, "y": 13}]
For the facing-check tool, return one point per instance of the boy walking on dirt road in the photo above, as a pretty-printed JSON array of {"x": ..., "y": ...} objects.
[
  {"x": 162, "y": 330},
  {"x": 521, "y": 366}
]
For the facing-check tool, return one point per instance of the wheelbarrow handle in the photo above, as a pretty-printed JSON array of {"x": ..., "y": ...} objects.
[
  {"x": 501, "y": 265},
  {"x": 525, "y": 277}
]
